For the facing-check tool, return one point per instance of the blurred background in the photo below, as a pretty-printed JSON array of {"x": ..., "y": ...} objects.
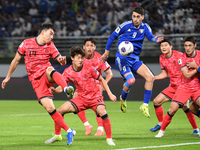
[{"x": 77, "y": 19}]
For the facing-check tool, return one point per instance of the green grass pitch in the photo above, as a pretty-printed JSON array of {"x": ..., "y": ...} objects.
[{"x": 25, "y": 125}]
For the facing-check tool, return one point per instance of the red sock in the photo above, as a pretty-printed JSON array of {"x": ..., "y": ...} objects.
[
  {"x": 58, "y": 120},
  {"x": 99, "y": 121},
  {"x": 159, "y": 113},
  {"x": 57, "y": 128},
  {"x": 58, "y": 78},
  {"x": 107, "y": 126},
  {"x": 166, "y": 121},
  {"x": 192, "y": 119},
  {"x": 82, "y": 116}
]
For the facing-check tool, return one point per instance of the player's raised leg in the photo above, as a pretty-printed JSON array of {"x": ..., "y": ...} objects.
[
  {"x": 148, "y": 76},
  {"x": 55, "y": 76},
  {"x": 130, "y": 80}
]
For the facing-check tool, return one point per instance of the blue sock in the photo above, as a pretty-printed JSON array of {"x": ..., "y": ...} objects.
[
  {"x": 147, "y": 96},
  {"x": 198, "y": 113},
  {"x": 124, "y": 95}
]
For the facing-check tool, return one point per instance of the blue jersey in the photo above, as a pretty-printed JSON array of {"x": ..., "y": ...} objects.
[{"x": 127, "y": 32}]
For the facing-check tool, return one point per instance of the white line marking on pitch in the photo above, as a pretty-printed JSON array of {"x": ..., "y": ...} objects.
[
  {"x": 41, "y": 114},
  {"x": 171, "y": 145}
]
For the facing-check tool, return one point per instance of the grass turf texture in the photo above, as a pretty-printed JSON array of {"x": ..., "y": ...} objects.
[{"x": 25, "y": 125}]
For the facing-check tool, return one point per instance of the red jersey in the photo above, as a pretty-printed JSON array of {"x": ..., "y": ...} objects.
[
  {"x": 96, "y": 63},
  {"x": 171, "y": 65},
  {"x": 37, "y": 56},
  {"x": 192, "y": 83},
  {"x": 85, "y": 81}
]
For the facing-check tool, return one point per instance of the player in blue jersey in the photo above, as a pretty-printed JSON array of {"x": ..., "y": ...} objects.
[{"x": 134, "y": 31}]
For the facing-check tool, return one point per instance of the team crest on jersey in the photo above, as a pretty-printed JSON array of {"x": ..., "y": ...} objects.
[
  {"x": 85, "y": 76},
  {"x": 179, "y": 61},
  {"x": 21, "y": 44},
  {"x": 141, "y": 30},
  {"x": 46, "y": 50},
  {"x": 117, "y": 30}
]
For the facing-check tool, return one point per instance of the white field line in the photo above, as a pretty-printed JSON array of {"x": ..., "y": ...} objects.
[
  {"x": 42, "y": 114},
  {"x": 171, "y": 145}
]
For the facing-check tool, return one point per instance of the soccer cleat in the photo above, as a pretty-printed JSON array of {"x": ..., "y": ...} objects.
[
  {"x": 110, "y": 142},
  {"x": 53, "y": 139},
  {"x": 145, "y": 110},
  {"x": 99, "y": 133},
  {"x": 70, "y": 136},
  {"x": 156, "y": 128},
  {"x": 160, "y": 134},
  {"x": 195, "y": 132},
  {"x": 123, "y": 105},
  {"x": 69, "y": 91},
  {"x": 88, "y": 129}
]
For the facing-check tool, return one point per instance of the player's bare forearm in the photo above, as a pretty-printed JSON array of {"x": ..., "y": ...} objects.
[
  {"x": 161, "y": 76},
  {"x": 56, "y": 90},
  {"x": 188, "y": 74},
  {"x": 12, "y": 68},
  {"x": 104, "y": 57},
  {"x": 105, "y": 86},
  {"x": 192, "y": 65}
]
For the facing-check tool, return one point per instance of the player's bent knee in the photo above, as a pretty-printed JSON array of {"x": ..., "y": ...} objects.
[
  {"x": 105, "y": 117},
  {"x": 101, "y": 110},
  {"x": 150, "y": 78},
  {"x": 129, "y": 83}
]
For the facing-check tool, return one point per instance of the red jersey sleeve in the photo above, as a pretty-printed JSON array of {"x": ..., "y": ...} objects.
[
  {"x": 21, "y": 48},
  {"x": 54, "y": 51},
  {"x": 95, "y": 73},
  {"x": 161, "y": 62}
]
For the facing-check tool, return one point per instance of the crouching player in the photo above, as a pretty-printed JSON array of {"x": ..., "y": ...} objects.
[{"x": 89, "y": 94}]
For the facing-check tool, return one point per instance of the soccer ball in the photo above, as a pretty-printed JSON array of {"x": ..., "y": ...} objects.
[{"x": 126, "y": 48}]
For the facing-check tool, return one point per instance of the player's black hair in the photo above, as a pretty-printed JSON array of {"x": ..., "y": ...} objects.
[
  {"x": 91, "y": 39},
  {"x": 166, "y": 40},
  {"x": 138, "y": 10},
  {"x": 47, "y": 26},
  {"x": 76, "y": 50},
  {"x": 190, "y": 39}
]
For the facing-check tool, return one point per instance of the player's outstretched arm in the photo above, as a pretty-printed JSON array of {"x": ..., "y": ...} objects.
[
  {"x": 104, "y": 57},
  {"x": 105, "y": 86},
  {"x": 62, "y": 60},
  {"x": 158, "y": 38},
  {"x": 162, "y": 75},
  {"x": 12, "y": 68}
]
